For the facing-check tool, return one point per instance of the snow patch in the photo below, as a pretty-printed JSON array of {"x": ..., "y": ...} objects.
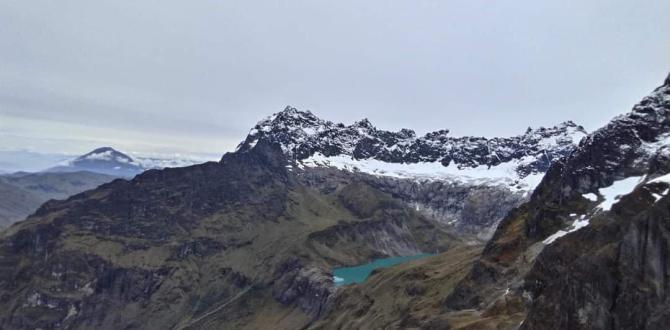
[
  {"x": 651, "y": 148},
  {"x": 591, "y": 196},
  {"x": 503, "y": 174},
  {"x": 658, "y": 197},
  {"x": 662, "y": 179},
  {"x": 613, "y": 193},
  {"x": 576, "y": 225}
]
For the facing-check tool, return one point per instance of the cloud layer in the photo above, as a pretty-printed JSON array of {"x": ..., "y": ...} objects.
[{"x": 196, "y": 75}]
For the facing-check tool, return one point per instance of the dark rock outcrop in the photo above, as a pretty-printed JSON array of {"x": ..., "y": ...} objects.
[{"x": 609, "y": 274}]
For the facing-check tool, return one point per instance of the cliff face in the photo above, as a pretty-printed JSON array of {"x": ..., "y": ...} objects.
[
  {"x": 590, "y": 241},
  {"x": 611, "y": 274},
  {"x": 472, "y": 210}
]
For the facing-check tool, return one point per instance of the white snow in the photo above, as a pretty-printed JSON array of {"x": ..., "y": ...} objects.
[
  {"x": 663, "y": 179},
  {"x": 591, "y": 196},
  {"x": 619, "y": 188},
  {"x": 502, "y": 174},
  {"x": 652, "y": 147},
  {"x": 657, "y": 197},
  {"x": 611, "y": 195},
  {"x": 576, "y": 225}
]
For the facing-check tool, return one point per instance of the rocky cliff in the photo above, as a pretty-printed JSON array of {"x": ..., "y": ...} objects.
[{"x": 589, "y": 245}]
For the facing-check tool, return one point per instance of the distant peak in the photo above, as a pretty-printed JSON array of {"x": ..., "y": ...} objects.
[
  {"x": 103, "y": 149},
  {"x": 288, "y": 117},
  {"x": 568, "y": 123},
  {"x": 667, "y": 81},
  {"x": 290, "y": 111},
  {"x": 105, "y": 154},
  {"x": 364, "y": 123}
]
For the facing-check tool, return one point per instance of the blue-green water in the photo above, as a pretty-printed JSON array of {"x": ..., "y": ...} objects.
[{"x": 358, "y": 274}]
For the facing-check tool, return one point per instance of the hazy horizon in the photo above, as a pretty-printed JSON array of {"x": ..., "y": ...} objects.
[{"x": 192, "y": 78}]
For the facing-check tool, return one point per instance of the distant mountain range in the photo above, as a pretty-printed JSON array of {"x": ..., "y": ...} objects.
[
  {"x": 104, "y": 160},
  {"x": 21, "y": 193}
]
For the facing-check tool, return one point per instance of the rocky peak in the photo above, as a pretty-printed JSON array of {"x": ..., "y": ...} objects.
[
  {"x": 302, "y": 135},
  {"x": 626, "y": 146}
]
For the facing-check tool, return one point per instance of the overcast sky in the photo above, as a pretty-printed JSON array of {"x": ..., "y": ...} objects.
[{"x": 195, "y": 76}]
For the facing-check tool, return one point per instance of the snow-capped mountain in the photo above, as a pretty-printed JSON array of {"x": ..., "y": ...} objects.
[
  {"x": 107, "y": 160},
  {"x": 104, "y": 160},
  {"x": 517, "y": 161}
]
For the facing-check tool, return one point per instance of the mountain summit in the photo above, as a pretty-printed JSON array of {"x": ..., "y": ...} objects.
[
  {"x": 311, "y": 141},
  {"x": 105, "y": 160}
]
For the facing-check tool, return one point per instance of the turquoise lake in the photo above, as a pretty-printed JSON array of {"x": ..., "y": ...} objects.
[{"x": 358, "y": 274}]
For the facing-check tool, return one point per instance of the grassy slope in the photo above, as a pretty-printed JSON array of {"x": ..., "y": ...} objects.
[{"x": 227, "y": 280}]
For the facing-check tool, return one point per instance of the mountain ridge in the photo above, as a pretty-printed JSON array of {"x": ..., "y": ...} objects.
[{"x": 301, "y": 135}]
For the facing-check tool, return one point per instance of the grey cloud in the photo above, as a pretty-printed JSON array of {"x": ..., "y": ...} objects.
[{"x": 210, "y": 69}]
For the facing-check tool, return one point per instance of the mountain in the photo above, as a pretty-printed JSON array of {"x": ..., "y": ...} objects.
[
  {"x": 103, "y": 160},
  {"x": 242, "y": 241},
  {"x": 22, "y": 193},
  {"x": 469, "y": 183},
  {"x": 15, "y": 203},
  {"x": 250, "y": 241},
  {"x": 587, "y": 251},
  {"x": 107, "y": 160},
  {"x": 518, "y": 161}
]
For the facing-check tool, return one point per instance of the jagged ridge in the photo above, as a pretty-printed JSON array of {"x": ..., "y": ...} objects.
[{"x": 301, "y": 135}]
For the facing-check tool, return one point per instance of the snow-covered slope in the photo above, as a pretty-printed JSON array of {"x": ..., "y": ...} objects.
[
  {"x": 632, "y": 150},
  {"x": 518, "y": 161}
]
